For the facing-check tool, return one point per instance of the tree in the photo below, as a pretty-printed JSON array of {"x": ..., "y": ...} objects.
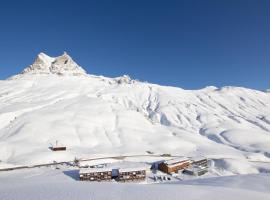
[{"x": 76, "y": 162}]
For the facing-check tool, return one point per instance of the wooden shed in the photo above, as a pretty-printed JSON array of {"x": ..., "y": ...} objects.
[
  {"x": 131, "y": 174},
  {"x": 174, "y": 165},
  {"x": 59, "y": 148},
  {"x": 96, "y": 174}
]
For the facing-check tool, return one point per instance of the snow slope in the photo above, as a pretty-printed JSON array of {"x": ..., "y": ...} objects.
[
  {"x": 55, "y": 184},
  {"x": 54, "y": 99}
]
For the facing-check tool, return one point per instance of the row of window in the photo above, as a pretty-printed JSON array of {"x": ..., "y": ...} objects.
[
  {"x": 109, "y": 173},
  {"x": 97, "y": 173},
  {"x": 134, "y": 173}
]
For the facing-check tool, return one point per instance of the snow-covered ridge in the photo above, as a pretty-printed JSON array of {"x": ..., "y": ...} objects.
[{"x": 62, "y": 65}]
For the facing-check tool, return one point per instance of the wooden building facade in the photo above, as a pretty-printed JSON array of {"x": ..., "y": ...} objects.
[
  {"x": 131, "y": 174},
  {"x": 174, "y": 165},
  {"x": 58, "y": 147},
  {"x": 62, "y": 148},
  {"x": 95, "y": 174},
  {"x": 200, "y": 161}
]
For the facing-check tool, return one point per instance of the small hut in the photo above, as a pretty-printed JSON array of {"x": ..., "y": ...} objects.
[{"x": 58, "y": 147}]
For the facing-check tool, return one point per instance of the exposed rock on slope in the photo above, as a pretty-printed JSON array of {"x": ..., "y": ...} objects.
[{"x": 61, "y": 65}]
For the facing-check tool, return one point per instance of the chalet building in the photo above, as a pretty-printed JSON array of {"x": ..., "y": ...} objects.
[
  {"x": 59, "y": 148},
  {"x": 131, "y": 174},
  {"x": 196, "y": 170},
  {"x": 200, "y": 161},
  {"x": 96, "y": 174},
  {"x": 174, "y": 165},
  {"x": 155, "y": 165}
]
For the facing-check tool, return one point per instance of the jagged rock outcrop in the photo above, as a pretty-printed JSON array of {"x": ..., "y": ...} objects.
[{"x": 62, "y": 65}]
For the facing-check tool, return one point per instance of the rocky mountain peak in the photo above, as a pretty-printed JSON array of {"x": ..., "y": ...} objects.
[{"x": 62, "y": 65}]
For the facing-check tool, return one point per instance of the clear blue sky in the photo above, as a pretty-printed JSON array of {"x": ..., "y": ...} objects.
[{"x": 190, "y": 44}]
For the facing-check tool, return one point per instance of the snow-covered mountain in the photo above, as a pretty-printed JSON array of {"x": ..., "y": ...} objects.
[
  {"x": 61, "y": 65},
  {"x": 55, "y": 99}
]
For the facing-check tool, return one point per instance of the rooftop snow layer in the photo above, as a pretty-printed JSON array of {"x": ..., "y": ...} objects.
[
  {"x": 177, "y": 160},
  {"x": 132, "y": 169},
  {"x": 91, "y": 170},
  {"x": 198, "y": 158}
]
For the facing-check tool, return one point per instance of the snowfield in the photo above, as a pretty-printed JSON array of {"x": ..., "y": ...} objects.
[
  {"x": 54, "y": 99},
  {"x": 52, "y": 184}
]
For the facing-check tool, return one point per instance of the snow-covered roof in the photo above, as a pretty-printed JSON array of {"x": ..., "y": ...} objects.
[
  {"x": 91, "y": 170},
  {"x": 196, "y": 168},
  {"x": 58, "y": 146},
  {"x": 176, "y": 160},
  {"x": 132, "y": 169},
  {"x": 198, "y": 158}
]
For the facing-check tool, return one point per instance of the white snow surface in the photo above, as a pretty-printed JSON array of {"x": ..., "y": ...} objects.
[
  {"x": 37, "y": 184},
  {"x": 54, "y": 99}
]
